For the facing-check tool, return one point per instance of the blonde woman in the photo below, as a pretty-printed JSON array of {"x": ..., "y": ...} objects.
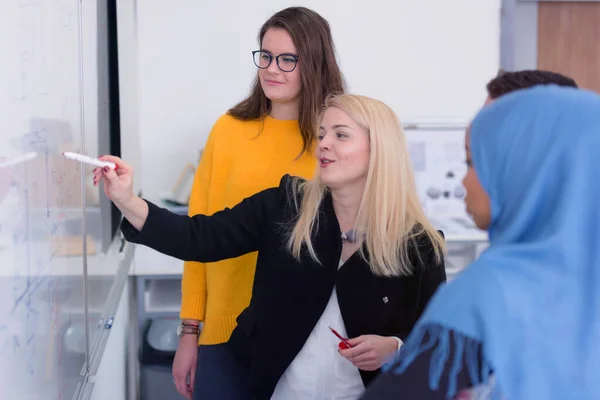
[{"x": 350, "y": 250}]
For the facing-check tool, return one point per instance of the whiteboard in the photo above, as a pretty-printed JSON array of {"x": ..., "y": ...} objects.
[{"x": 55, "y": 279}]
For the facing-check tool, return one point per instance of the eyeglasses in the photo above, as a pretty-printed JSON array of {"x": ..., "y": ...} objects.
[{"x": 286, "y": 62}]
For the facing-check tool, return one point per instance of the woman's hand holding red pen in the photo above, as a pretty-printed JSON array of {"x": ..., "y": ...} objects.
[{"x": 370, "y": 352}]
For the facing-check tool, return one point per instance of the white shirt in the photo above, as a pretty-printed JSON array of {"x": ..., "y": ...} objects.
[{"x": 319, "y": 372}]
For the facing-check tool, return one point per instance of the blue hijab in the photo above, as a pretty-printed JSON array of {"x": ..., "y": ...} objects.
[{"x": 532, "y": 299}]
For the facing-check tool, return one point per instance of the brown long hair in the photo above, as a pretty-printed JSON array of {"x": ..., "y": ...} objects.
[{"x": 319, "y": 70}]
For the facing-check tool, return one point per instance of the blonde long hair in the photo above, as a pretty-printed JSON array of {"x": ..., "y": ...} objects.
[{"x": 390, "y": 213}]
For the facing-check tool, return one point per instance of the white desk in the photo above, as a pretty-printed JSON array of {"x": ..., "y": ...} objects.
[{"x": 151, "y": 262}]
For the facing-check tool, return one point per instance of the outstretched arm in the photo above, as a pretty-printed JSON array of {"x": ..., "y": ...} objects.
[
  {"x": 226, "y": 234},
  {"x": 135, "y": 212}
]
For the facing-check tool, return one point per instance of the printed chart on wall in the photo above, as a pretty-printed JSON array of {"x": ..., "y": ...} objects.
[
  {"x": 438, "y": 156},
  {"x": 41, "y": 250}
]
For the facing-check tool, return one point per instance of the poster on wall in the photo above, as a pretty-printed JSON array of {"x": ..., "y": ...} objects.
[{"x": 438, "y": 156}]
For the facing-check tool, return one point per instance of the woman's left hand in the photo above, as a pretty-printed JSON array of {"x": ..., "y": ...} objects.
[{"x": 370, "y": 352}]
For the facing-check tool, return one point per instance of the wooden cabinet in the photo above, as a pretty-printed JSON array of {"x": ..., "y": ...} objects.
[{"x": 568, "y": 40}]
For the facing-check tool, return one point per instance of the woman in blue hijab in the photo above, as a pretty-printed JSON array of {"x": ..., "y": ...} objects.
[{"x": 523, "y": 321}]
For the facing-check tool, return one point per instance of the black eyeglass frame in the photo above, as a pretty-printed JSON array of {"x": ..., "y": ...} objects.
[{"x": 295, "y": 57}]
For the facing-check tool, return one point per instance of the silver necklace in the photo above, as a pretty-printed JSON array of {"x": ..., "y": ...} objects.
[{"x": 349, "y": 236}]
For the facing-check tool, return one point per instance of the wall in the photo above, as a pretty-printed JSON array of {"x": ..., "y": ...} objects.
[
  {"x": 526, "y": 24},
  {"x": 426, "y": 58},
  {"x": 110, "y": 380}
]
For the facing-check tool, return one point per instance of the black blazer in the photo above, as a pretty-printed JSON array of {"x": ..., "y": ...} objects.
[{"x": 288, "y": 297}]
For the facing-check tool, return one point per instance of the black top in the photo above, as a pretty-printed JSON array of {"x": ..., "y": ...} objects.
[
  {"x": 413, "y": 382},
  {"x": 289, "y": 296}
]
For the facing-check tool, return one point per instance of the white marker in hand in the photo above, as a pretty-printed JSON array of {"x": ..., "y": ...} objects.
[{"x": 89, "y": 160}]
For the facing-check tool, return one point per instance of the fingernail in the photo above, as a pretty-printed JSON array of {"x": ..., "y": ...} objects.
[{"x": 105, "y": 169}]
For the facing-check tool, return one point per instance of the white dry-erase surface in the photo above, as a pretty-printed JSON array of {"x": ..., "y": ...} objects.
[{"x": 47, "y": 328}]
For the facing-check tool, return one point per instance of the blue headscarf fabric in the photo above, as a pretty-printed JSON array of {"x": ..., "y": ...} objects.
[{"x": 532, "y": 299}]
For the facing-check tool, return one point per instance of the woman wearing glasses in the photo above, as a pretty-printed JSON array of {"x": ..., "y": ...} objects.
[{"x": 267, "y": 135}]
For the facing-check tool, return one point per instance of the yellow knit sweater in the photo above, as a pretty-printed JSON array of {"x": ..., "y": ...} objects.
[{"x": 239, "y": 160}]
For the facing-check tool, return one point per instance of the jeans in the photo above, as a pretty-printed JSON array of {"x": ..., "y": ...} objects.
[{"x": 219, "y": 376}]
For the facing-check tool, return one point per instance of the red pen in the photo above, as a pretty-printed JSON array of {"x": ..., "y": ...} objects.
[{"x": 344, "y": 344}]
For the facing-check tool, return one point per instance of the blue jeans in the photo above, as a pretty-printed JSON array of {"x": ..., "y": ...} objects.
[{"x": 219, "y": 376}]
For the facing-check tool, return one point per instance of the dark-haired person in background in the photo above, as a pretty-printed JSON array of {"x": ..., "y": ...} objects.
[
  {"x": 507, "y": 82},
  {"x": 414, "y": 382},
  {"x": 267, "y": 135}
]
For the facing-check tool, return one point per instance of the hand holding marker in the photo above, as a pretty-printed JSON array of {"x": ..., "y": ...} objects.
[{"x": 90, "y": 161}]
